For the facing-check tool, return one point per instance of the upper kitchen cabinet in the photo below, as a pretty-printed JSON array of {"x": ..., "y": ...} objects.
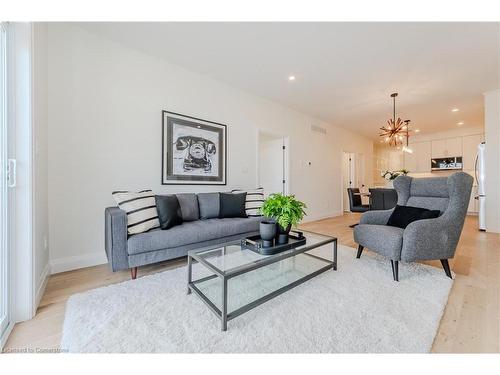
[
  {"x": 443, "y": 148},
  {"x": 420, "y": 160},
  {"x": 423, "y": 156},
  {"x": 470, "y": 143}
]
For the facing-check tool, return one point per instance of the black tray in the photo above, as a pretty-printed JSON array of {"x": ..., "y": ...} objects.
[{"x": 255, "y": 243}]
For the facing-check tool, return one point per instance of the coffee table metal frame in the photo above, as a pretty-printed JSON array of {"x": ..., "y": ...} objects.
[{"x": 225, "y": 276}]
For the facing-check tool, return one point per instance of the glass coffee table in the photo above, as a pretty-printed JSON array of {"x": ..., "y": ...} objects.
[{"x": 233, "y": 280}]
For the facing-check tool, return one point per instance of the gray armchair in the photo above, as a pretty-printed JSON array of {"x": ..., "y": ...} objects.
[{"x": 428, "y": 239}]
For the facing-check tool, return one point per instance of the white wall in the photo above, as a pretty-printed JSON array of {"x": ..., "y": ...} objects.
[
  {"x": 40, "y": 159},
  {"x": 492, "y": 160},
  {"x": 104, "y": 108}
]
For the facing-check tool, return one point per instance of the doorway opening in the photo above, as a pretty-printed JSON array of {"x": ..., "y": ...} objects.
[
  {"x": 353, "y": 171},
  {"x": 272, "y": 163}
]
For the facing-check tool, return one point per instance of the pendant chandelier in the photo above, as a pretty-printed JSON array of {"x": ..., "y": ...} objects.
[{"x": 397, "y": 131}]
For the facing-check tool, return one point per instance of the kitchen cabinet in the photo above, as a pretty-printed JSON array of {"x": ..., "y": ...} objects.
[
  {"x": 420, "y": 160},
  {"x": 410, "y": 160},
  {"x": 423, "y": 156},
  {"x": 442, "y": 148},
  {"x": 473, "y": 202},
  {"x": 470, "y": 143}
]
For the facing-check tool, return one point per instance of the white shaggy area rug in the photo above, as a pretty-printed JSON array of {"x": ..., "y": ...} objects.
[{"x": 358, "y": 308}]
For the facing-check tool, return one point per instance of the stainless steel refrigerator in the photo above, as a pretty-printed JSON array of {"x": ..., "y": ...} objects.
[{"x": 480, "y": 180}]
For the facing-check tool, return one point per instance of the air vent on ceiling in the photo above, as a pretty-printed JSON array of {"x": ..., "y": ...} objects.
[{"x": 318, "y": 129}]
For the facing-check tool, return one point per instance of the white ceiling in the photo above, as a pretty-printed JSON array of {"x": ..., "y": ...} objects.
[{"x": 344, "y": 72}]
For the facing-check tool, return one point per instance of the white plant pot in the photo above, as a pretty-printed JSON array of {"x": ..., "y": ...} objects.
[{"x": 389, "y": 184}]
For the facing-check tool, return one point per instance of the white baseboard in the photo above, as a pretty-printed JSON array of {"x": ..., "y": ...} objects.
[
  {"x": 94, "y": 259},
  {"x": 79, "y": 261},
  {"x": 321, "y": 217},
  {"x": 42, "y": 285}
]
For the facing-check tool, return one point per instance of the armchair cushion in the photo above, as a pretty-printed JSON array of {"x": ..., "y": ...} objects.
[
  {"x": 378, "y": 217},
  {"x": 382, "y": 239},
  {"x": 402, "y": 216}
]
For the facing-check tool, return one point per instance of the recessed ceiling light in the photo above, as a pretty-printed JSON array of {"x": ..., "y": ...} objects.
[
  {"x": 417, "y": 130},
  {"x": 455, "y": 110},
  {"x": 460, "y": 123},
  {"x": 291, "y": 78}
]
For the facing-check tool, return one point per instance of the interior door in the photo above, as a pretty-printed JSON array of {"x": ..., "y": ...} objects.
[
  {"x": 272, "y": 164},
  {"x": 348, "y": 176},
  {"x": 4, "y": 197}
]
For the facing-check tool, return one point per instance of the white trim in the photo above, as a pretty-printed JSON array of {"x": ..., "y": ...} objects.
[
  {"x": 40, "y": 290},
  {"x": 20, "y": 119},
  {"x": 77, "y": 261}
]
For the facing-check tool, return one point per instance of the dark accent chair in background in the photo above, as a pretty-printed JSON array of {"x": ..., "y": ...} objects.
[
  {"x": 383, "y": 198},
  {"x": 428, "y": 239},
  {"x": 355, "y": 203}
]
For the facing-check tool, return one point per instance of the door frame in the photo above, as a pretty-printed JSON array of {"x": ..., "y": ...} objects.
[
  {"x": 343, "y": 177},
  {"x": 20, "y": 124},
  {"x": 286, "y": 157}
]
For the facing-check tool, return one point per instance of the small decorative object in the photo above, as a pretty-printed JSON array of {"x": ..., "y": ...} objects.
[
  {"x": 267, "y": 232},
  {"x": 193, "y": 151},
  {"x": 286, "y": 210},
  {"x": 397, "y": 130},
  {"x": 391, "y": 175}
]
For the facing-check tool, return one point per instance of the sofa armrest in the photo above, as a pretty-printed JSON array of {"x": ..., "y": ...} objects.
[
  {"x": 115, "y": 235},
  {"x": 429, "y": 239},
  {"x": 377, "y": 217}
]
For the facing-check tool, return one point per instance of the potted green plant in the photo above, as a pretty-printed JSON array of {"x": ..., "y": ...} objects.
[{"x": 286, "y": 210}]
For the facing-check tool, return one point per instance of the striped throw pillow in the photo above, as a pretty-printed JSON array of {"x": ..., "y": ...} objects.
[
  {"x": 140, "y": 208},
  {"x": 254, "y": 201}
]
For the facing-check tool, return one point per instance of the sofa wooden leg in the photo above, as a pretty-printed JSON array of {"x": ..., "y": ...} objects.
[
  {"x": 446, "y": 267},
  {"x": 360, "y": 250},
  {"x": 133, "y": 273},
  {"x": 395, "y": 265}
]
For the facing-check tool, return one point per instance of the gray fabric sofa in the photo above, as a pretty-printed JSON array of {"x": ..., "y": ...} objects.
[
  {"x": 130, "y": 251},
  {"x": 428, "y": 239}
]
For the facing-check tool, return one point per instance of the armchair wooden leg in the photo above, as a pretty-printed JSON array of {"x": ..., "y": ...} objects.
[
  {"x": 446, "y": 267},
  {"x": 394, "y": 265},
  {"x": 360, "y": 250},
  {"x": 133, "y": 273}
]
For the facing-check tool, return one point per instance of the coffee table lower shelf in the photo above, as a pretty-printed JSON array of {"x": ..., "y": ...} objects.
[{"x": 224, "y": 277}]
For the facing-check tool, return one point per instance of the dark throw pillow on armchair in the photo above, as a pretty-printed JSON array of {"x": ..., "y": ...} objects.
[
  {"x": 232, "y": 205},
  {"x": 169, "y": 211},
  {"x": 402, "y": 216}
]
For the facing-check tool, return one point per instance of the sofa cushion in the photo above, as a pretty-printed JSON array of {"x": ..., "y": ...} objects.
[
  {"x": 191, "y": 232},
  {"x": 253, "y": 202},
  {"x": 189, "y": 206},
  {"x": 209, "y": 205},
  {"x": 383, "y": 239},
  {"x": 140, "y": 208},
  {"x": 402, "y": 216},
  {"x": 169, "y": 211},
  {"x": 232, "y": 205}
]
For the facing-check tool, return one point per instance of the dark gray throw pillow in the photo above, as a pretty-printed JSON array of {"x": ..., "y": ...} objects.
[
  {"x": 189, "y": 206},
  {"x": 209, "y": 204},
  {"x": 402, "y": 216},
  {"x": 169, "y": 211},
  {"x": 232, "y": 205}
]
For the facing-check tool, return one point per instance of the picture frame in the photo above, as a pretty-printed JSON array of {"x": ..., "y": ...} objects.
[{"x": 194, "y": 151}]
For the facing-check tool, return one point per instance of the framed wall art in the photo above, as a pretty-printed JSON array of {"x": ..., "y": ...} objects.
[{"x": 193, "y": 151}]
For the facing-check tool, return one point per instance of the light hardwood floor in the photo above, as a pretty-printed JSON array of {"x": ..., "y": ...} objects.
[{"x": 471, "y": 322}]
